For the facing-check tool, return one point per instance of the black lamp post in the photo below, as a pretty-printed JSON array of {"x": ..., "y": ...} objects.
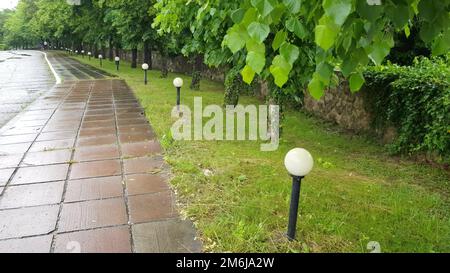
[
  {"x": 145, "y": 68},
  {"x": 117, "y": 59},
  {"x": 100, "y": 57},
  {"x": 299, "y": 164},
  {"x": 178, "y": 83}
]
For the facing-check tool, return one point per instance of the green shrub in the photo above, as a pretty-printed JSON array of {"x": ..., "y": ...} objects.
[
  {"x": 235, "y": 86},
  {"x": 416, "y": 101}
]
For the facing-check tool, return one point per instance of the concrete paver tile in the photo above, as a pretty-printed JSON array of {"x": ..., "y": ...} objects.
[
  {"x": 107, "y": 240},
  {"x": 92, "y": 214},
  {"x": 94, "y": 188},
  {"x": 17, "y": 223}
]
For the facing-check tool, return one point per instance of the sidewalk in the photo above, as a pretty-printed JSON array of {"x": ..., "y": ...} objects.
[{"x": 81, "y": 171}]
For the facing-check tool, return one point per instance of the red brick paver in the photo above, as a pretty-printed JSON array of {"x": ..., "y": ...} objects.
[{"x": 79, "y": 168}]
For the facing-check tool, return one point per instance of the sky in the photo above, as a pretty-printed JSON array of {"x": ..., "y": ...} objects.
[{"x": 8, "y": 4}]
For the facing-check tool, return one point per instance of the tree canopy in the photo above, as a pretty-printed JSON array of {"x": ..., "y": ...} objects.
[{"x": 280, "y": 41}]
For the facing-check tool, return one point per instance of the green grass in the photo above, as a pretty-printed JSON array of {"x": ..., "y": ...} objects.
[{"x": 356, "y": 193}]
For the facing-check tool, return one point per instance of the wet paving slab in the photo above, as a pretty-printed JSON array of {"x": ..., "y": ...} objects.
[
  {"x": 82, "y": 171},
  {"x": 70, "y": 69}
]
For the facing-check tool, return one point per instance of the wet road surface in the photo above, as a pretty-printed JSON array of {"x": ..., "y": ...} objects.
[
  {"x": 70, "y": 69},
  {"x": 24, "y": 76}
]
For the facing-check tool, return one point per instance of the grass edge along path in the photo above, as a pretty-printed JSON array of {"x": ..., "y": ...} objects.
[{"x": 355, "y": 194}]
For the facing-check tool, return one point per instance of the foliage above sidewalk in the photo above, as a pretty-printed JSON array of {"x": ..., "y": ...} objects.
[
  {"x": 416, "y": 101},
  {"x": 275, "y": 39}
]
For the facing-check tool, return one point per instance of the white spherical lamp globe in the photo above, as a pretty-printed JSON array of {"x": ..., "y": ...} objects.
[
  {"x": 145, "y": 66},
  {"x": 89, "y": 53},
  {"x": 82, "y": 51},
  {"x": 299, "y": 162},
  {"x": 100, "y": 56},
  {"x": 117, "y": 59},
  {"x": 178, "y": 82}
]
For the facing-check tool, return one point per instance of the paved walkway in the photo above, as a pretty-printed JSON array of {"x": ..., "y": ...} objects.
[
  {"x": 70, "y": 69},
  {"x": 81, "y": 171}
]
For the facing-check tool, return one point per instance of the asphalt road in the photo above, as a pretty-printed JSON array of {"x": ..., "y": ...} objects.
[{"x": 24, "y": 76}]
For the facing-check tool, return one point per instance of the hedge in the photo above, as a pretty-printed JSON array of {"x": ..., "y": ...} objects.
[{"x": 416, "y": 101}]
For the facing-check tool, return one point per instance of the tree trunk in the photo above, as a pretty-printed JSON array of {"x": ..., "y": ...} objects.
[
  {"x": 164, "y": 68},
  {"x": 134, "y": 55},
  {"x": 197, "y": 73},
  {"x": 148, "y": 54},
  {"x": 117, "y": 50},
  {"x": 111, "y": 49}
]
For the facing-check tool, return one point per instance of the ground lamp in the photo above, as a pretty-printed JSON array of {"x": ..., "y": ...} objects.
[
  {"x": 117, "y": 59},
  {"x": 178, "y": 83},
  {"x": 89, "y": 55},
  {"x": 45, "y": 45},
  {"x": 299, "y": 164},
  {"x": 76, "y": 52},
  {"x": 100, "y": 57},
  {"x": 145, "y": 68},
  {"x": 82, "y": 53}
]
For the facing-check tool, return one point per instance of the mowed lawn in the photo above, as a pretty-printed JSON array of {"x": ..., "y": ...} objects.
[{"x": 356, "y": 193}]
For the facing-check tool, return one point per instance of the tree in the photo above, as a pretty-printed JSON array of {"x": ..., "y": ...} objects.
[
  {"x": 132, "y": 19},
  {"x": 18, "y": 29},
  {"x": 201, "y": 26},
  {"x": 50, "y": 20},
  {"x": 4, "y": 15},
  {"x": 346, "y": 35}
]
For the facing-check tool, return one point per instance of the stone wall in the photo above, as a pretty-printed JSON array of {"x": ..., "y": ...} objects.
[{"x": 339, "y": 105}]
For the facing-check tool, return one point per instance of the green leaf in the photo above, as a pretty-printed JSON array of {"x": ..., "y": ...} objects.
[
  {"x": 407, "y": 31},
  {"x": 252, "y": 45},
  {"x": 369, "y": 12},
  {"x": 234, "y": 42},
  {"x": 294, "y": 25},
  {"x": 356, "y": 82},
  {"x": 280, "y": 37},
  {"x": 264, "y": 7},
  {"x": 238, "y": 15},
  {"x": 248, "y": 74},
  {"x": 325, "y": 36},
  {"x": 258, "y": 31},
  {"x": 293, "y": 5},
  {"x": 316, "y": 87},
  {"x": 380, "y": 50},
  {"x": 398, "y": 14},
  {"x": 337, "y": 10},
  {"x": 236, "y": 37},
  {"x": 324, "y": 71},
  {"x": 277, "y": 13},
  {"x": 280, "y": 76},
  {"x": 347, "y": 42},
  {"x": 280, "y": 61},
  {"x": 348, "y": 66},
  {"x": 442, "y": 44},
  {"x": 289, "y": 52},
  {"x": 249, "y": 17},
  {"x": 280, "y": 70},
  {"x": 256, "y": 61}
]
